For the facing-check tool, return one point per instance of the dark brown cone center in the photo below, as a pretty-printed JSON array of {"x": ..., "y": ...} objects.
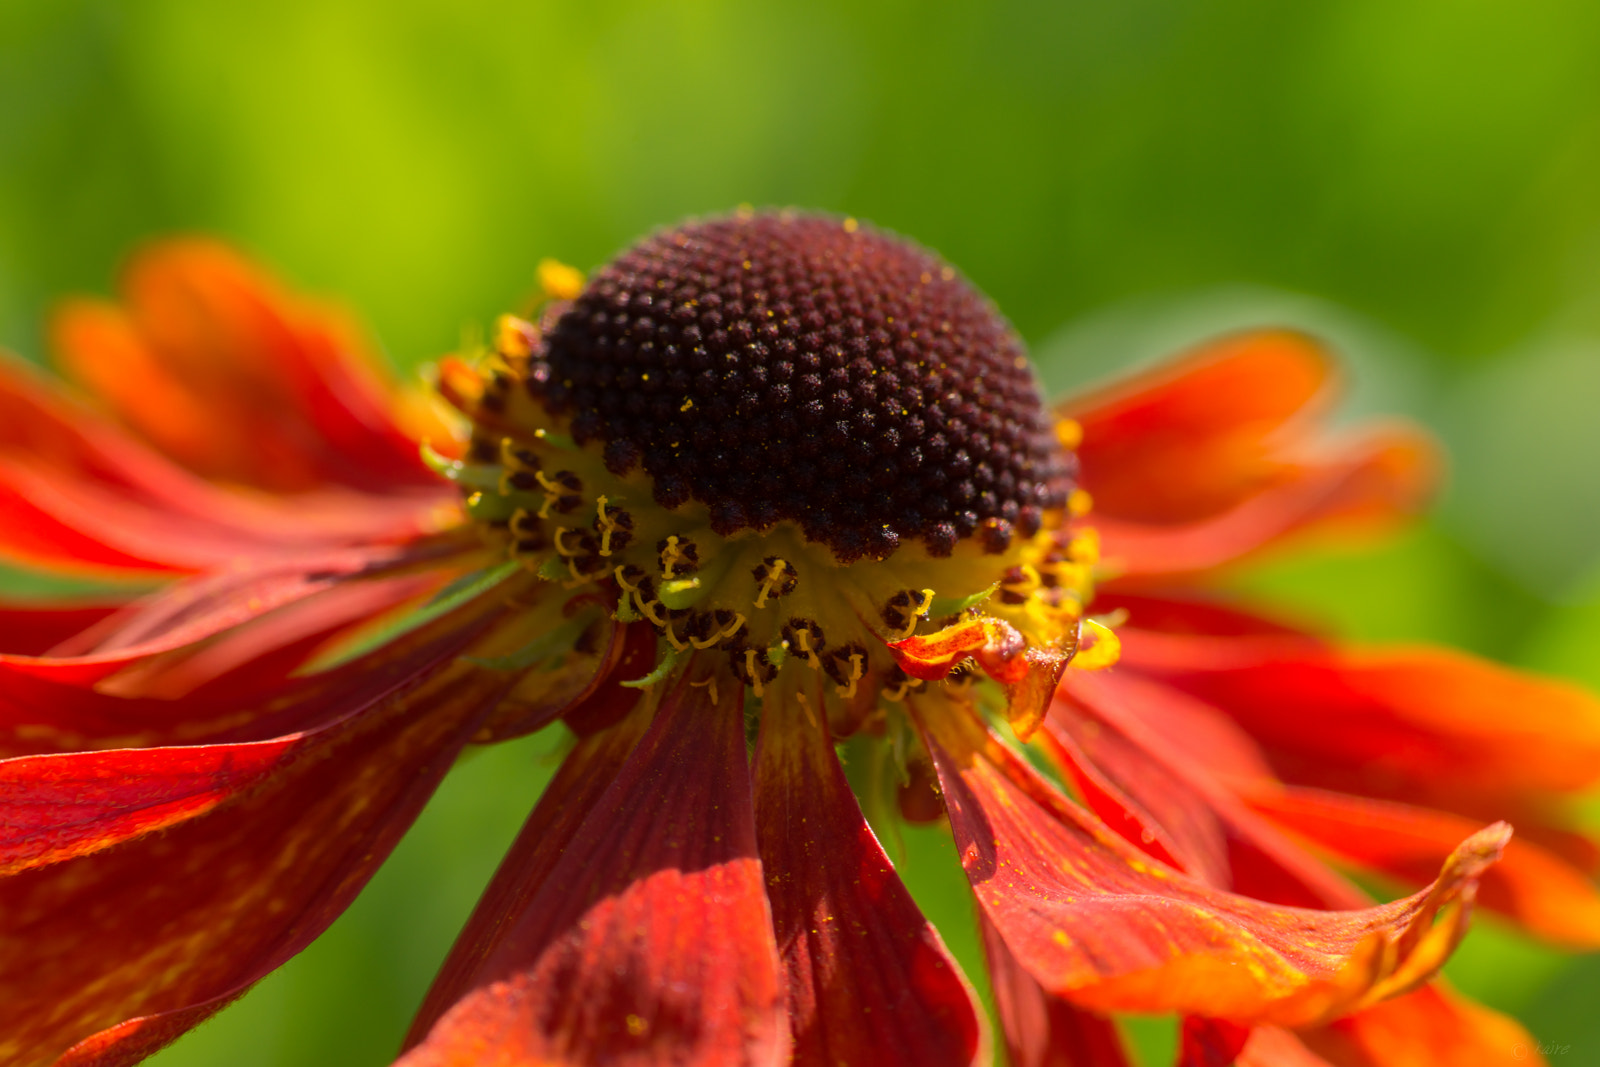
[{"x": 795, "y": 367}]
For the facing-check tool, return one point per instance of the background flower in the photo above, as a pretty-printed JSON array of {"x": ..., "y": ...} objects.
[{"x": 1123, "y": 179}]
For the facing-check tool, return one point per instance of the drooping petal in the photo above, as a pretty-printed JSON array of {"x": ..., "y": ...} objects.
[
  {"x": 1041, "y": 1030},
  {"x": 1429, "y": 1026},
  {"x": 1530, "y": 884},
  {"x": 869, "y": 981},
  {"x": 116, "y": 952},
  {"x": 649, "y": 940},
  {"x": 1423, "y": 726},
  {"x": 1091, "y": 917},
  {"x": 235, "y": 379},
  {"x": 1197, "y": 436}
]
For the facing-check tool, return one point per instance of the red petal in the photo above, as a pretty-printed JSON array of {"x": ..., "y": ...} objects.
[
  {"x": 1091, "y": 918},
  {"x": 869, "y": 981},
  {"x": 568, "y": 800},
  {"x": 184, "y": 614},
  {"x": 1041, "y": 1030},
  {"x": 1210, "y": 1042},
  {"x": 1195, "y": 437},
  {"x": 1423, "y": 726},
  {"x": 121, "y": 950},
  {"x": 1529, "y": 884},
  {"x": 235, "y": 379},
  {"x": 31, "y": 629},
  {"x": 257, "y": 701},
  {"x": 1430, "y": 1026},
  {"x": 649, "y": 940}
]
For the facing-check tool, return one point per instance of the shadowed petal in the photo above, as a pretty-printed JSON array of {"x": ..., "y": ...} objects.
[
  {"x": 1210, "y": 1042},
  {"x": 585, "y": 775},
  {"x": 32, "y": 628},
  {"x": 1089, "y": 916},
  {"x": 1041, "y": 1030},
  {"x": 121, "y": 950},
  {"x": 869, "y": 980},
  {"x": 649, "y": 940}
]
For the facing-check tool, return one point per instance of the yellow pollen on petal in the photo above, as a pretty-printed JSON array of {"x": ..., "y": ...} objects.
[
  {"x": 1105, "y": 651},
  {"x": 1079, "y": 503}
]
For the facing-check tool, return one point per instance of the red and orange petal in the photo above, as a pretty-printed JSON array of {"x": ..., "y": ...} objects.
[
  {"x": 1150, "y": 791},
  {"x": 79, "y": 494},
  {"x": 1092, "y": 918},
  {"x": 1216, "y": 456},
  {"x": 1423, "y": 726},
  {"x": 648, "y": 938},
  {"x": 236, "y": 380},
  {"x": 1542, "y": 892}
]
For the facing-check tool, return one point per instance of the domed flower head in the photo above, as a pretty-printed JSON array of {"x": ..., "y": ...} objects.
[{"x": 764, "y": 485}]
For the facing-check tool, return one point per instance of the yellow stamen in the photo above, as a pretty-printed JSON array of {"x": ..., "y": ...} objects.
[{"x": 559, "y": 281}]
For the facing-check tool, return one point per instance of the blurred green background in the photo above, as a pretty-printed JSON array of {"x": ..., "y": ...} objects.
[{"x": 1418, "y": 180}]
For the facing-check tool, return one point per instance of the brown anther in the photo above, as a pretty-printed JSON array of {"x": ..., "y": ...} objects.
[{"x": 804, "y": 639}]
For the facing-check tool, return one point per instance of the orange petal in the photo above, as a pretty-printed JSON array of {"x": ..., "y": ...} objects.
[
  {"x": 1429, "y": 1026},
  {"x": 218, "y": 368},
  {"x": 77, "y": 493},
  {"x": 1425, "y": 726},
  {"x": 1362, "y": 486},
  {"x": 116, "y": 952},
  {"x": 1529, "y": 884},
  {"x": 1041, "y": 1030},
  {"x": 1197, "y": 436},
  {"x": 649, "y": 940},
  {"x": 1092, "y": 919},
  {"x": 869, "y": 981}
]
